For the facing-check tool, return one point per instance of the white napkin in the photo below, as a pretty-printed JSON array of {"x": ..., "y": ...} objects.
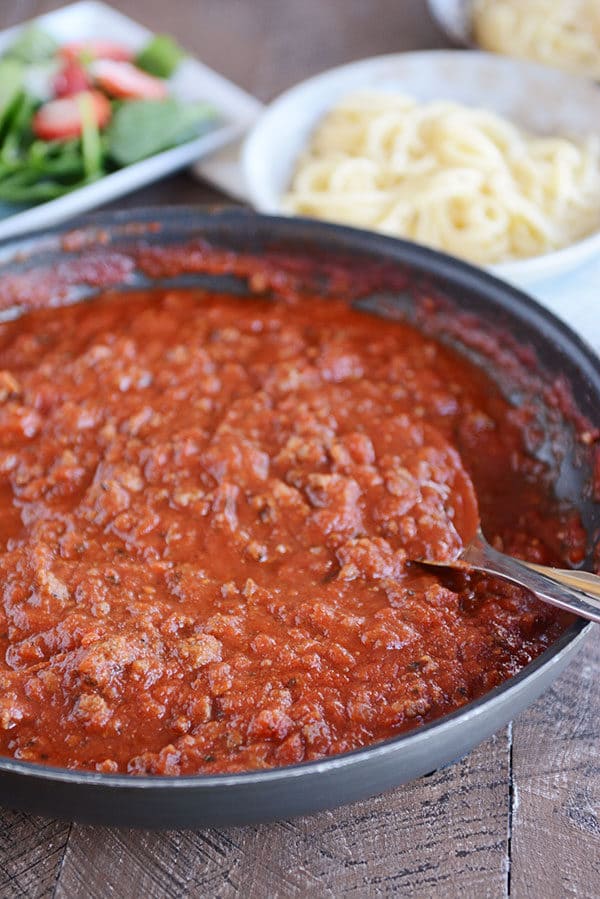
[{"x": 575, "y": 298}]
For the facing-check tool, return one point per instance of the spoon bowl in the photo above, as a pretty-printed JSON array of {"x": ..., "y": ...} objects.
[{"x": 575, "y": 591}]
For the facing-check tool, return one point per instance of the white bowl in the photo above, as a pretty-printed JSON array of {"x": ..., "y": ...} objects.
[
  {"x": 454, "y": 17},
  {"x": 540, "y": 99}
]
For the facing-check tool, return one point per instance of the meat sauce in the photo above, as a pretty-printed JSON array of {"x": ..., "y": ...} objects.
[{"x": 209, "y": 508}]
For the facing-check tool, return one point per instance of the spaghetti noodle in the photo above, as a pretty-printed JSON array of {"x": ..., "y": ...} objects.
[{"x": 456, "y": 178}]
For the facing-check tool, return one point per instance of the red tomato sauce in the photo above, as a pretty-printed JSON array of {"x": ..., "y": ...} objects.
[{"x": 209, "y": 506}]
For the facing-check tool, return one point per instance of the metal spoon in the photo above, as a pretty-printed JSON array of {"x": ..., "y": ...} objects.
[{"x": 576, "y": 591}]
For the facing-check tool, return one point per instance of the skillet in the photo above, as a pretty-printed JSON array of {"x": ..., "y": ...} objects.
[{"x": 451, "y": 300}]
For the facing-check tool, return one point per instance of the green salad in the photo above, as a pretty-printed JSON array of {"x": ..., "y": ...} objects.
[{"x": 72, "y": 113}]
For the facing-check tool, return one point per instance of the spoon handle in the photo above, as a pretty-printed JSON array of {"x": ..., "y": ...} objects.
[
  {"x": 575, "y": 591},
  {"x": 583, "y": 581}
]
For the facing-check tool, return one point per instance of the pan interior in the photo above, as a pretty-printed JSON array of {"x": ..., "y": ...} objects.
[{"x": 446, "y": 300}]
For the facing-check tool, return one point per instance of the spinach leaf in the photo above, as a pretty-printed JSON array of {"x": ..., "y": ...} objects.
[
  {"x": 160, "y": 56},
  {"x": 21, "y": 188},
  {"x": 142, "y": 128},
  {"x": 11, "y": 81},
  {"x": 56, "y": 159},
  {"x": 33, "y": 45},
  {"x": 16, "y": 130}
]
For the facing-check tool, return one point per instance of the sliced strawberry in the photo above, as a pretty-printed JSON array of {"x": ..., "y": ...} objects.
[
  {"x": 71, "y": 79},
  {"x": 61, "y": 119},
  {"x": 89, "y": 50},
  {"x": 126, "y": 81}
]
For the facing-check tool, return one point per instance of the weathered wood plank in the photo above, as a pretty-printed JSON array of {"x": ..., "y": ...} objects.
[
  {"x": 31, "y": 850},
  {"x": 555, "y": 844},
  {"x": 444, "y": 835},
  {"x": 17, "y": 11}
]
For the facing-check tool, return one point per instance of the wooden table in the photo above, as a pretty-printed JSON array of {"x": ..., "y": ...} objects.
[{"x": 519, "y": 816}]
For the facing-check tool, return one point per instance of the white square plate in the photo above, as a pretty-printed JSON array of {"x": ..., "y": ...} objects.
[{"x": 193, "y": 81}]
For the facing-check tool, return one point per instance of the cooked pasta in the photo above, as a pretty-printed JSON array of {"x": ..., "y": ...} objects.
[
  {"x": 563, "y": 33},
  {"x": 456, "y": 178}
]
